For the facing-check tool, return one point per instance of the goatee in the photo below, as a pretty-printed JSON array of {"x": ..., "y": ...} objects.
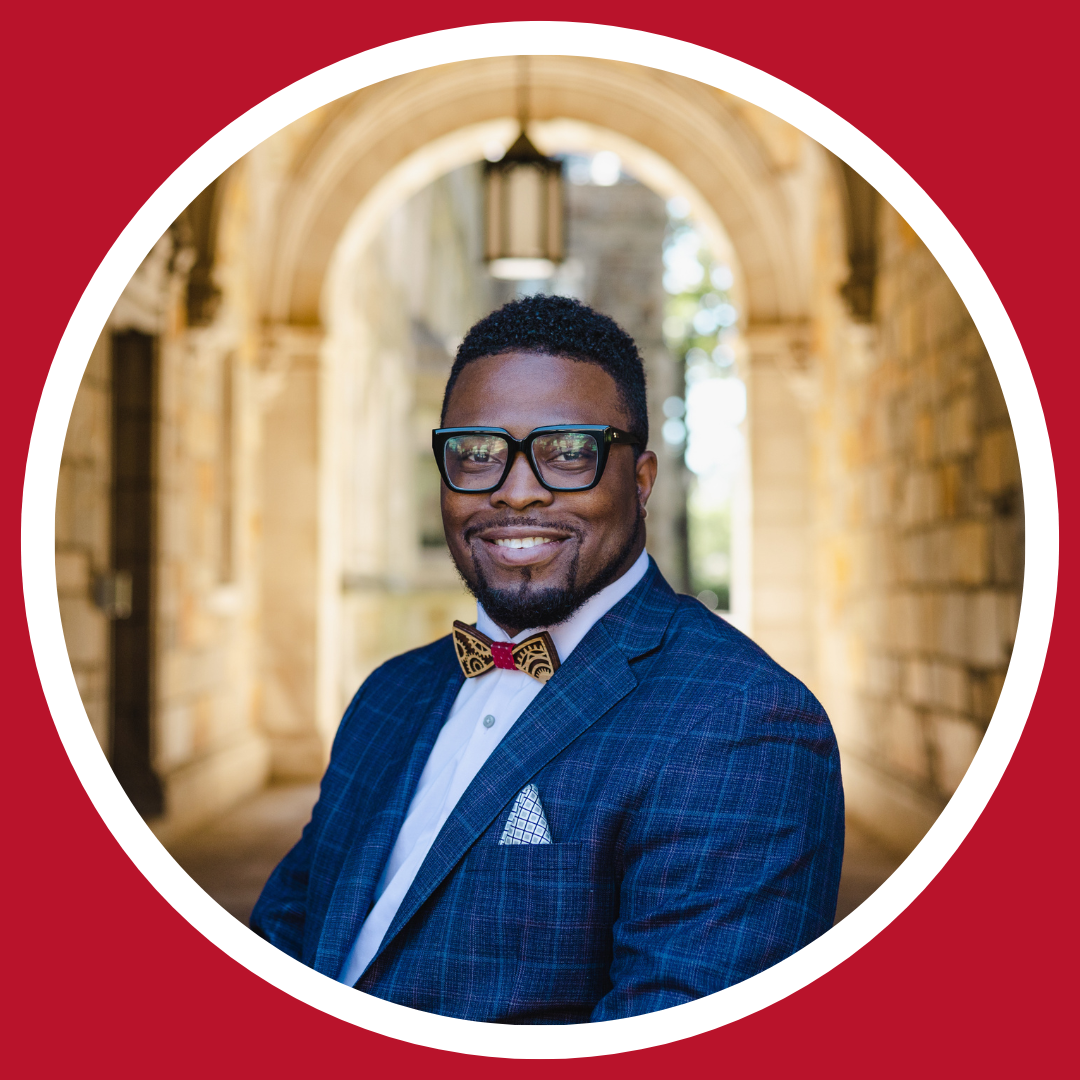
[{"x": 525, "y": 606}]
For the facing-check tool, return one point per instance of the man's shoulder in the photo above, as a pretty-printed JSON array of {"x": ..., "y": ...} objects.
[
  {"x": 695, "y": 633},
  {"x": 707, "y": 651}
]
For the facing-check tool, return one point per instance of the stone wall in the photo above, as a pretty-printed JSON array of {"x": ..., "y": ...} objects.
[
  {"x": 82, "y": 537},
  {"x": 205, "y": 744},
  {"x": 205, "y": 693},
  {"x": 919, "y": 540}
]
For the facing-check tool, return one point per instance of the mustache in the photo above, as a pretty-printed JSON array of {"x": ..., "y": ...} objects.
[{"x": 523, "y": 521}]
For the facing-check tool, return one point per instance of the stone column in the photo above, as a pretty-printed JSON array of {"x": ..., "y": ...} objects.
[
  {"x": 779, "y": 388},
  {"x": 296, "y": 616}
]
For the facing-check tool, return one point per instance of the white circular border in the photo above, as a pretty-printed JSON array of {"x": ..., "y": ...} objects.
[{"x": 566, "y": 39}]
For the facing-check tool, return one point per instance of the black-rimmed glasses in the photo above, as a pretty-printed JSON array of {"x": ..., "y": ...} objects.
[{"x": 563, "y": 458}]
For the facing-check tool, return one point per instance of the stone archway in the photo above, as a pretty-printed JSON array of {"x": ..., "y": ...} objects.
[
  {"x": 746, "y": 172},
  {"x": 737, "y": 156}
]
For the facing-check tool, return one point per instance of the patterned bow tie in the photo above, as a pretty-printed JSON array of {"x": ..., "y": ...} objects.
[{"x": 478, "y": 654}]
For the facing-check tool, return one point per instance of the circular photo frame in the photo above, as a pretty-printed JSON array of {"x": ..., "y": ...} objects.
[{"x": 551, "y": 39}]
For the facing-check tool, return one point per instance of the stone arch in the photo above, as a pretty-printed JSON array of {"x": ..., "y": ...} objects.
[{"x": 701, "y": 131}]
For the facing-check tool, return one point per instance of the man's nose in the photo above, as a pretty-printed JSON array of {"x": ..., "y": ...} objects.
[{"x": 521, "y": 488}]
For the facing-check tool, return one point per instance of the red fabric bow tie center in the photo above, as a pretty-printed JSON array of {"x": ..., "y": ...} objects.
[
  {"x": 502, "y": 652},
  {"x": 477, "y": 653}
]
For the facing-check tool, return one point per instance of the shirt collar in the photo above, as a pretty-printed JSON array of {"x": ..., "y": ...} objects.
[{"x": 568, "y": 634}]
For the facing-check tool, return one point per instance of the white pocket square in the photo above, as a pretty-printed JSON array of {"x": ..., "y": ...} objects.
[{"x": 527, "y": 823}]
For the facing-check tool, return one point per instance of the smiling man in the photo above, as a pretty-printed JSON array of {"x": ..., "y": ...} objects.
[{"x": 601, "y": 799}]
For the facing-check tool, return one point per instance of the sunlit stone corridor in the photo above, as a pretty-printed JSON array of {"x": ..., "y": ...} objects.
[{"x": 838, "y": 475}]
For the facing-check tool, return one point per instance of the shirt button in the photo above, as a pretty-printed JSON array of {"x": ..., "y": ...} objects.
[{"x": 489, "y": 720}]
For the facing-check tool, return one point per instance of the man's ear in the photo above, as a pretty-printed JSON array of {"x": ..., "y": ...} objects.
[{"x": 645, "y": 475}]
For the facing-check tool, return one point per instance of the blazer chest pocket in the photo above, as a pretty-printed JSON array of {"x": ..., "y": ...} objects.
[{"x": 564, "y": 860}]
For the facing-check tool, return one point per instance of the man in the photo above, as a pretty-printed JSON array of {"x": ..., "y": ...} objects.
[{"x": 602, "y": 800}]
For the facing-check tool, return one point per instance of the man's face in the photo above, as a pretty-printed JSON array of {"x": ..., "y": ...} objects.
[{"x": 577, "y": 541}]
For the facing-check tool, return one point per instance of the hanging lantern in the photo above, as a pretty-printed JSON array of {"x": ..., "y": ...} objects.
[{"x": 524, "y": 213}]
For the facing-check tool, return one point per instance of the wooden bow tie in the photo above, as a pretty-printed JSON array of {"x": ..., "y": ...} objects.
[{"x": 478, "y": 654}]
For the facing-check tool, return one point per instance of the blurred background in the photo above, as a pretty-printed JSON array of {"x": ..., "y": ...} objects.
[{"x": 240, "y": 541}]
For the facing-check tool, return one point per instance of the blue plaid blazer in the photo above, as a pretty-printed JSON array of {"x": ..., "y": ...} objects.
[{"x": 692, "y": 790}]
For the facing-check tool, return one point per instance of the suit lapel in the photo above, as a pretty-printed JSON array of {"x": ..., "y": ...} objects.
[
  {"x": 595, "y": 677},
  {"x": 379, "y": 810}
]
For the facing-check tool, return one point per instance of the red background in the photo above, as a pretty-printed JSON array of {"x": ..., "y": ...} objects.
[{"x": 103, "y": 102}]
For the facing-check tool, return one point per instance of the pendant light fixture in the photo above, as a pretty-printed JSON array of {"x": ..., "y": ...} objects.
[{"x": 523, "y": 206}]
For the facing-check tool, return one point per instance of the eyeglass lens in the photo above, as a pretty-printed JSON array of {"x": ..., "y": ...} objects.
[{"x": 564, "y": 459}]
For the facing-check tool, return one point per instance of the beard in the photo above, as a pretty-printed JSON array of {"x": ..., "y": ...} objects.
[{"x": 527, "y": 605}]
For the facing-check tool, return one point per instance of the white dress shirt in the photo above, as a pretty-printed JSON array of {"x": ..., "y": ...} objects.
[{"x": 484, "y": 710}]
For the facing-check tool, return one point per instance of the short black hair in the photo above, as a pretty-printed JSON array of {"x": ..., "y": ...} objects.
[{"x": 561, "y": 326}]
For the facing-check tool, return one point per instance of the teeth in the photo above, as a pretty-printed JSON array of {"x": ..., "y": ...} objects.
[{"x": 524, "y": 542}]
